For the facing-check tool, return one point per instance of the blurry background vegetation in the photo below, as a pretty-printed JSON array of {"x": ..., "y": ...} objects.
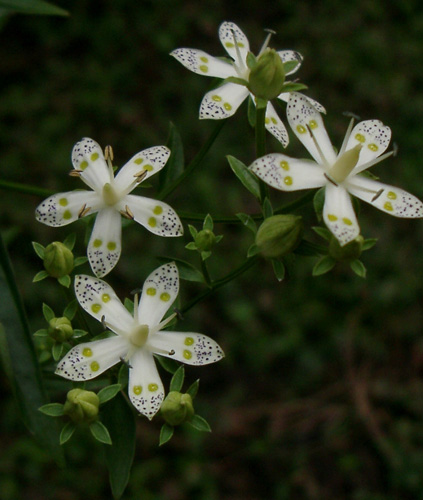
[{"x": 320, "y": 393}]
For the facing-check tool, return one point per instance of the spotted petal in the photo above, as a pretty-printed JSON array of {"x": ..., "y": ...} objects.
[
  {"x": 228, "y": 34},
  {"x": 389, "y": 199},
  {"x": 158, "y": 294},
  {"x": 203, "y": 64},
  {"x": 291, "y": 55},
  {"x": 338, "y": 214},
  {"x": 275, "y": 126},
  {"x": 318, "y": 107},
  {"x": 191, "y": 348},
  {"x": 288, "y": 174},
  {"x": 63, "y": 208},
  {"x": 88, "y": 156},
  {"x": 150, "y": 160},
  {"x": 303, "y": 115},
  {"x": 145, "y": 389},
  {"x": 90, "y": 359},
  {"x": 223, "y": 101},
  {"x": 104, "y": 247},
  {"x": 99, "y": 300},
  {"x": 374, "y": 136},
  {"x": 156, "y": 216}
]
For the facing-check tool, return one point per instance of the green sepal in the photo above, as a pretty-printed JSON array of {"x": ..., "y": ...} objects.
[
  {"x": 48, "y": 312},
  {"x": 71, "y": 309},
  {"x": 166, "y": 433},
  {"x": 193, "y": 389},
  {"x": 67, "y": 432},
  {"x": 65, "y": 280},
  {"x": 247, "y": 178},
  {"x": 79, "y": 261},
  {"x": 323, "y": 232},
  {"x": 41, "y": 275},
  {"x": 192, "y": 230},
  {"x": 289, "y": 66},
  {"x": 41, "y": 333},
  {"x": 278, "y": 269},
  {"x": 170, "y": 365},
  {"x": 52, "y": 409},
  {"x": 107, "y": 334},
  {"x": 251, "y": 60},
  {"x": 251, "y": 112},
  {"x": 39, "y": 249},
  {"x": 267, "y": 208},
  {"x": 108, "y": 393},
  {"x": 191, "y": 246},
  {"x": 100, "y": 432},
  {"x": 208, "y": 223},
  {"x": 200, "y": 424},
  {"x": 253, "y": 250},
  {"x": 324, "y": 265},
  {"x": 369, "y": 243},
  {"x": 177, "y": 379},
  {"x": 205, "y": 255},
  {"x": 238, "y": 81},
  {"x": 358, "y": 267},
  {"x": 57, "y": 350},
  {"x": 77, "y": 333},
  {"x": 248, "y": 222},
  {"x": 69, "y": 241},
  {"x": 293, "y": 87}
]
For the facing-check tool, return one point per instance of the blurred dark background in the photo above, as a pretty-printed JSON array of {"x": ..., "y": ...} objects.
[{"x": 320, "y": 393}]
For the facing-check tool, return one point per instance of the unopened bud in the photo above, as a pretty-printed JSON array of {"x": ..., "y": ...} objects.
[
  {"x": 81, "y": 406},
  {"x": 60, "y": 329},
  {"x": 267, "y": 76},
  {"x": 205, "y": 240},
  {"x": 349, "y": 252},
  {"x": 177, "y": 408},
  {"x": 279, "y": 235},
  {"x": 58, "y": 259}
]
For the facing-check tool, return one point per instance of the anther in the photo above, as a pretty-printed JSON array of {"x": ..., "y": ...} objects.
[
  {"x": 140, "y": 176},
  {"x": 127, "y": 213},
  {"x": 376, "y": 196},
  {"x": 108, "y": 153},
  {"x": 172, "y": 352},
  {"x": 351, "y": 115},
  {"x": 125, "y": 362},
  {"x": 75, "y": 173},
  {"x": 103, "y": 322},
  {"x": 84, "y": 210},
  {"x": 179, "y": 315},
  {"x": 135, "y": 291}
]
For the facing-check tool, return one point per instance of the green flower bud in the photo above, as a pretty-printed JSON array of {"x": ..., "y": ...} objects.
[
  {"x": 177, "y": 408},
  {"x": 81, "y": 406},
  {"x": 349, "y": 252},
  {"x": 279, "y": 235},
  {"x": 205, "y": 240},
  {"x": 58, "y": 259},
  {"x": 267, "y": 76},
  {"x": 60, "y": 329}
]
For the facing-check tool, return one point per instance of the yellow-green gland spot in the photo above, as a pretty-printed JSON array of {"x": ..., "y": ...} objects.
[
  {"x": 227, "y": 106},
  {"x": 96, "y": 308},
  {"x": 188, "y": 341},
  {"x": 97, "y": 243},
  {"x": 388, "y": 206},
  {"x": 216, "y": 98},
  {"x": 349, "y": 252},
  {"x": 373, "y": 147},
  {"x": 229, "y": 45},
  {"x": 105, "y": 298},
  {"x": 274, "y": 121},
  {"x": 187, "y": 354},
  {"x": 151, "y": 291},
  {"x": 152, "y": 222},
  {"x": 284, "y": 165},
  {"x": 287, "y": 180},
  {"x": 111, "y": 246},
  {"x": 312, "y": 124},
  {"x": 301, "y": 129},
  {"x": 165, "y": 297},
  {"x": 158, "y": 210},
  {"x": 204, "y": 68},
  {"x": 138, "y": 161},
  {"x": 58, "y": 259},
  {"x": 153, "y": 387},
  {"x": 148, "y": 167},
  {"x": 67, "y": 214},
  {"x": 391, "y": 195},
  {"x": 267, "y": 121},
  {"x": 360, "y": 138},
  {"x": 94, "y": 156},
  {"x": 204, "y": 59},
  {"x": 81, "y": 406},
  {"x": 63, "y": 202},
  {"x": 137, "y": 389},
  {"x": 332, "y": 218},
  {"x": 347, "y": 221},
  {"x": 177, "y": 408},
  {"x": 94, "y": 366},
  {"x": 279, "y": 235},
  {"x": 87, "y": 352},
  {"x": 83, "y": 165}
]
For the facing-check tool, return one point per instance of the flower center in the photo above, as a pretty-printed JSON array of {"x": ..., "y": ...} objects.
[
  {"x": 110, "y": 196},
  {"x": 344, "y": 165},
  {"x": 139, "y": 335}
]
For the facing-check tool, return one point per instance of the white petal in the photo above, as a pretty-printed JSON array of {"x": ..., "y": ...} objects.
[
  {"x": 145, "y": 389},
  {"x": 158, "y": 294},
  {"x": 338, "y": 214},
  {"x": 63, "y": 208},
  {"x": 275, "y": 126},
  {"x": 90, "y": 359},
  {"x": 104, "y": 247},
  {"x": 88, "y": 156},
  {"x": 98, "y": 299},
  {"x": 203, "y": 64},
  {"x": 187, "y": 347},
  {"x": 392, "y": 200},
  {"x": 288, "y": 174},
  {"x": 150, "y": 160},
  {"x": 228, "y": 33},
  {"x": 223, "y": 101},
  {"x": 374, "y": 136},
  {"x": 291, "y": 55},
  {"x": 156, "y": 216},
  {"x": 301, "y": 115}
]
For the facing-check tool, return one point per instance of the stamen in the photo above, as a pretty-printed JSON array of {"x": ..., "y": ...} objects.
[
  {"x": 161, "y": 325},
  {"x": 140, "y": 176},
  {"x": 330, "y": 180},
  {"x": 136, "y": 301},
  {"x": 172, "y": 352},
  {"x": 242, "y": 68},
  {"x": 376, "y": 196},
  {"x": 103, "y": 322},
  {"x": 395, "y": 149},
  {"x": 369, "y": 164},
  {"x": 319, "y": 149},
  {"x": 125, "y": 361},
  {"x": 351, "y": 115},
  {"x": 75, "y": 173},
  {"x": 266, "y": 41},
  {"x": 108, "y": 155},
  {"x": 178, "y": 313},
  {"x": 84, "y": 210},
  {"x": 346, "y": 138},
  {"x": 127, "y": 213}
]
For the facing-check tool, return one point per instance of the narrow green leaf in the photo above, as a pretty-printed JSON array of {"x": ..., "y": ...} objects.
[
  {"x": 358, "y": 267},
  {"x": 129, "y": 305},
  {"x": 41, "y": 275},
  {"x": 67, "y": 432},
  {"x": 170, "y": 365},
  {"x": 323, "y": 232},
  {"x": 324, "y": 265},
  {"x": 77, "y": 333},
  {"x": 253, "y": 250},
  {"x": 175, "y": 164},
  {"x": 318, "y": 203},
  {"x": 65, "y": 281},
  {"x": 369, "y": 243},
  {"x": 70, "y": 241},
  {"x": 293, "y": 87},
  {"x": 248, "y": 222},
  {"x": 41, "y": 333},
  {"x": 79, "y": 261},
  {"x": 119, "y": 418},
  {"x": 193, "y": 388},
  {"x": 200, "y": 423},
  {"x": 166, "y": 433},
  {"x": 48, "y": 312},
  {"x": 39, "y": 249},
  {"x": 57, "y": 351},
  {"x": 187, "y": 271},
  {"x": 267, "y": 208},
  {"x": 123, "y": 375},
  {"x": 251, "y": 112},
  {"x": 70, "y": 310},
  {"x": 208, "y": 223},
  {"x": 251, "y": 60},
  {"x": 191, "y": 246},
  {"x": 177, "y": 379},
  {"x": 52, "y": 409},
  {"x": 108, "y": 393},
  {"x": 247, "y": 178},
  {"x": 192, "y": 230},
  {"x": 33, "y": 7},
  {"x": 278, "y": 269},
  {"x": 100, "y": 432}
]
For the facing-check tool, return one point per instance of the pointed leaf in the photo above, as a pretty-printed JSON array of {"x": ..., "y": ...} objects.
[
  {"x": 70, "y": 241},
  {"x": 369, "y": 243},
  {"x": 200, "y": 423},
  {"x": 251, "y": 112},
  {"x": 267, "y": 208},
  {"x": 278, "y": 269},
  {"x": 175, "y": 164},
  {"x": 39, "y": 249},
  {"x": 41, "y": 275},
  {"x": 170, "y": 365},
  {"x": 177, "y": 379},
  {"x": 67, "y": 432},
  {"x": 123, "y": 375},
  {"x": 166, "y": 433},
  {"x": 238, "y": 81},
  {"x": 191, "y": 246},
  {"x": 248, "y": 222},
  {"x": 293, "y": 87},
  {"x": 33, "y": 7},
  {"x": 358, "y": 267},
  {"x": 193, "y": 389},
  {"x": 57, "y": 351},
  {"x": 208, "y": 223},
  {"x": 108, "y": 393},
  {"x": 77, "y": 333},
  {"x": 251, "y": 60},
  {"x": 48, "y": 312},
  {"x": 289, "y": 66},
  {"x": 52, "y": 409},
  {"x": 129, "y": 305},
  {"x": 100, "y": 432},
  {"x": 324, "y": 265},
  {"x": 71, "y": 309},
  {"x": 192, "y": 230},
  {"x": 318, "y": 203},
  {"x": 79, "y": 261},
  {"x": 253, "y": 250},
  {"x": 323, "y": 232},
  {"x": 41, "y": 333},
  {"x": 247, "y": 178},
  {"x": 65, "y": 281}
]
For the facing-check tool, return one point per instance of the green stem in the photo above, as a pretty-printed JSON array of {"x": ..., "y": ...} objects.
[
  {"x": 206, "y": 272},
  {"x": 219, "y": 283},
  {"x": 25, "y": 188},
  {"x": 195, "y": 162}
]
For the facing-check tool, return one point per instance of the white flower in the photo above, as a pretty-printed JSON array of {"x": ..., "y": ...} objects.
[
  {"x": 339, "y": 173},
  {"x": 110, "y": 198},
  {"x": 223, "y": 101},
  {"x": 137, "y": 338}
]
